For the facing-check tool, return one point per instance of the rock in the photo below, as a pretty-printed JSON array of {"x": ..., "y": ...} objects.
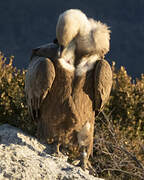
[{"x": 24, "y": 157}]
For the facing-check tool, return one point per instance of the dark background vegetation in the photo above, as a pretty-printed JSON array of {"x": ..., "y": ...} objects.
[{"x": 30, "y": 23}]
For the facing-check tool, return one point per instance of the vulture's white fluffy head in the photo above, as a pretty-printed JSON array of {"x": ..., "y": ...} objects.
[
  {"x": 71, "y": 23},
  {"x": 88, "y": 35}
]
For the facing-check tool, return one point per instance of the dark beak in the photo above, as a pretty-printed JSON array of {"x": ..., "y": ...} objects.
[{"x": 60, "y": 50}]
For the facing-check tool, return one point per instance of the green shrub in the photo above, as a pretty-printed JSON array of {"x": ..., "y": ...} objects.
[
  {"x": 126, "y": 103},
  {"x": 13, "y": 108}
]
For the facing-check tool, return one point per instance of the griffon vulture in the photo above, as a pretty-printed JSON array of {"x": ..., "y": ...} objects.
[{"x": 65, "y": 92}]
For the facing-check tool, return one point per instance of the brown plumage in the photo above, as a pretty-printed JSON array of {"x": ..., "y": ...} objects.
[
  {"x": 103, "y": 84},
  {"x": 69, "y": 89}
]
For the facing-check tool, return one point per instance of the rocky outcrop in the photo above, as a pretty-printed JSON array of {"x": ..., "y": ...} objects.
[{"x": 24, "y": 157}]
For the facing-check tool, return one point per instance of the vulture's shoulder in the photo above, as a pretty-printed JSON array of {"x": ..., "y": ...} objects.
[
  {"x": 102, "y": 83},
  {"x": 39, "y": 79}
]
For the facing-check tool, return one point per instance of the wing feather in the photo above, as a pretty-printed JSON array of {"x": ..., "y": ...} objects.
[
  {"x": 103, "y": 83},
  {"x": 39, "y": 79}
]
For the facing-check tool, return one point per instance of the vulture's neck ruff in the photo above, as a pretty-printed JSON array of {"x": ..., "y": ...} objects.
[
  {"x": 67, "y": 60},
  {"x": 86, "y": 64}
]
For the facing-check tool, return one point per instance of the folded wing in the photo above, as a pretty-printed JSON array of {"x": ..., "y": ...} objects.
[
  {"x": 39, "y": 79},
  {"x": 102, "y": 83}
]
